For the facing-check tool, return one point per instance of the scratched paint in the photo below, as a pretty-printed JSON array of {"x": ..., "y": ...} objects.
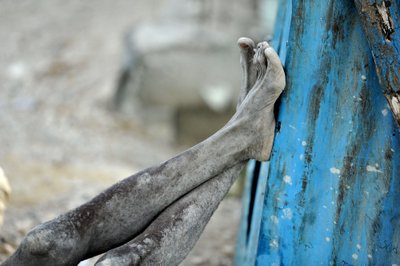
[
  {"x": 342, "y": 207},
  {"x": 381, "y": 22}
]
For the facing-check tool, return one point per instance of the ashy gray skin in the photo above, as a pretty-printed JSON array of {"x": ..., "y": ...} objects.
[
  {"x": 126, "y": 209},
  {"x": 172, "y": 235}
]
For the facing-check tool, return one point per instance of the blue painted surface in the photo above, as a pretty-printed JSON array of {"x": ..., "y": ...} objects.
[
  {"x": 246, "y": 252},
  {"x": 332, "y": 195},
  {"x": 383, "y": 39},
  {"x": 382, "y": 32},
  {"x": 242, "y": 239}
]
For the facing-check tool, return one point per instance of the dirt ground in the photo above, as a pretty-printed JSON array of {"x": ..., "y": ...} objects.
[{"x": 61, "y": 143}]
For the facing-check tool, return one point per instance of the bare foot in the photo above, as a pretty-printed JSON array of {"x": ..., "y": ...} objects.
[
  {"x": 172, "y": 235},
  {"x": 86, "y": 231},
  {"x": 256, "y": 112}
]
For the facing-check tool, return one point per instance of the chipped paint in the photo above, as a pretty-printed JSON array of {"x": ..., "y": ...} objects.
[
  {"x": 380, "y": 19},
  {"x": 328, "y": 45},
  {"x": 334, "y": 171},
  {"x": 287, "y": 214},
  {"x": 287, "y": 179},
  {"x": 395, "y": 103},
  {"x": 372, "y": 168},
  {"x": 274, "y": 219},
  {"x": 386, "y": 19},
  {"x": 274, "y": 243}
]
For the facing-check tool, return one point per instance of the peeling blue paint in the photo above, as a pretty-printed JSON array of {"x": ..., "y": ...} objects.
[{"x": 336, "y": 146}]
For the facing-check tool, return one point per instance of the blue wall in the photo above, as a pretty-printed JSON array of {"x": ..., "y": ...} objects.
[{"x": 331, "y": 192}]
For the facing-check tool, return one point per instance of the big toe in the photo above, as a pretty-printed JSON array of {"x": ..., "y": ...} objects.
[
  {"x": 246, "y": 43},
  {"x": 273, "y": 59}
]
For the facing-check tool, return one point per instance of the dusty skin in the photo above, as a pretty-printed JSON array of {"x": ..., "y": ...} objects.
[{"x": 185, "y": 190}]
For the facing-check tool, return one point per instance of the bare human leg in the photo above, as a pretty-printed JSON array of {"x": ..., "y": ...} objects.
[
  {"x": 172, "y": 235},
  {"x": 107, "y": 221}
]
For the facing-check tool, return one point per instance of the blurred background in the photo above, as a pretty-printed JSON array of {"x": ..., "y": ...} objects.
[{"x": 93, "y": 91}]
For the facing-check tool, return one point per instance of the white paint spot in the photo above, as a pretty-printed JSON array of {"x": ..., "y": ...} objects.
[
  {"x": 334, "y": 171},
  {"x": 287, "y": 179},
  {"x": 331, "y": 188},
  {"x": 274, "y": 243},
  {"x": 392, "y": 150},
  {"x": 369, "y": 256},
  {"x": 274, "y": 219},
  {"x": 292, "y": 127},
  {"x": 324, "y": 206},
  {"x": 327, "y": 239},
  {"x": 287, "y": 213},
  {"x": 304, "y": 143},
  {"x": 354, "y": 256},
  {"x": 332, "y": 202},
  {"x": 301, "y": 157},
  {"x": 394, "y": 265},
  {"x": 384, "y": 112},
  {"x": 371, "y": 168},
  {"x": 358, "y": 246},
  {"x": 395, "y": 105},
  {"x": 363, "y": 77}
]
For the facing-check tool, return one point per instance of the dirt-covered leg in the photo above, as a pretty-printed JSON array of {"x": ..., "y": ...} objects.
[
  {"x": 170, "y": 237},
  {"x": 124, "y": 210}
]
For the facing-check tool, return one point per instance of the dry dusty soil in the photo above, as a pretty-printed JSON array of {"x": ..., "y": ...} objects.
[{"x": 60, "y": 143}]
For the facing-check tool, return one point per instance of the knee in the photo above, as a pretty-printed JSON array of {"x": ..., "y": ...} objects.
[
  {"x": 35, "y": 250},
  {"x": 38, "y": 242},
  {"x": 47, "y": 246}
]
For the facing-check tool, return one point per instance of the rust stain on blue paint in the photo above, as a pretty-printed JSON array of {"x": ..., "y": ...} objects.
[{"x": 333, "y": 189}]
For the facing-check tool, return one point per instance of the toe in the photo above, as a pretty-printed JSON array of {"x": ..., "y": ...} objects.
[
  {"x": 275, "y": 69},
  {"x": 246, "y": 43},
  {"x": 247, "y": 50},
  {"x": 272, "y": 58},
  {"x": 263, "y": 45}
]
